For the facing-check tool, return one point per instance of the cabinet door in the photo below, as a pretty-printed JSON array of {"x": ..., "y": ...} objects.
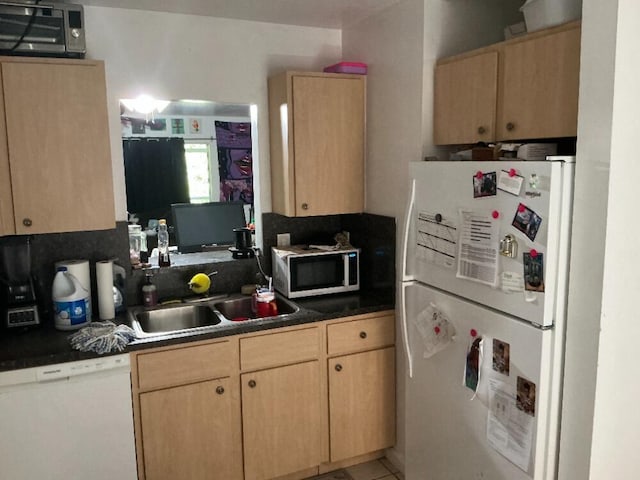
[
  {"x": 58, "y": 140},
  {"x": 465, "y": 98},
  {"x": 362, "y": 410},
  {"x": 281, "y": 420},
  {"x": 328, "y": 130},
  {"x": 192, "y": 431},
  {"x": 540, "y": 87}
]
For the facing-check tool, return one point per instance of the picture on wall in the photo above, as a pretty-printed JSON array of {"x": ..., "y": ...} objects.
[
  {"x": 235, "y": 162},
  {"x": 177, "y": 126}
]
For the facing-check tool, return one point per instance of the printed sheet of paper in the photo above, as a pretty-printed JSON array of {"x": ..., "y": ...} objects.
[
  {"x": 436, "y": 241},
  {"x": 509, "y": 430},
  {"x": 478, "y": 248}
]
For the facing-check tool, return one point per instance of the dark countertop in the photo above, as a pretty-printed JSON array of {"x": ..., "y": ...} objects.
[{"x": 45, "y": 345}]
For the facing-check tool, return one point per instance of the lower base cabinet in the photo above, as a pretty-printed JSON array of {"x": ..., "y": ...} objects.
[
  {"x": 279, "y": 403},
  {"x": 281, "y": 420},
  {"x": 192, "y": 431},
  {"x": 361, "y": 403}
]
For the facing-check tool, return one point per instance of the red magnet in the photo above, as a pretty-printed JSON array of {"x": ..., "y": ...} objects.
[
  {"x": 512, "y": 172},
  {"x": 495, "y": 214},
  {"x": 521, "y": 208},
  {"x": 533, "y": 252},
  {"x": 436, "y": 329},
  {"x": 473, "y": 333},
  {"x": 479, "y": 175}
]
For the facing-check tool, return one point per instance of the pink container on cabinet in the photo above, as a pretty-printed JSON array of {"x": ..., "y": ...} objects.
[{"x": 347, "y": 67}]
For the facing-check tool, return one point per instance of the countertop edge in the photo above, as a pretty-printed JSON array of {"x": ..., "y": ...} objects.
[{"x": 33, "y": 358}]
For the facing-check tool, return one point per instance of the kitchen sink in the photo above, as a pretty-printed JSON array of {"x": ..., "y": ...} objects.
[
  {"x": 242, "y": 309},
  {"x": 172, "y": 319},
  {"x": 198, "y": 316}
]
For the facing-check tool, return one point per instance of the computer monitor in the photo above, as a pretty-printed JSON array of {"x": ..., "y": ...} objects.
[{"x": 201, "y": 225}]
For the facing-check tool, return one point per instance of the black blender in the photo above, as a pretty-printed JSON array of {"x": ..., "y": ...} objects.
[{"x": 17, "y": 293}]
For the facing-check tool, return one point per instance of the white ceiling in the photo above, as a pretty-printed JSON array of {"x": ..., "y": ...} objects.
[{"x": 310, "y": 13}]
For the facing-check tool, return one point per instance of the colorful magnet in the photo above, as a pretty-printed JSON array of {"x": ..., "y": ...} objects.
[
  {"x": 533, "y": 271},
  {"x": 527, "y": 221},
  {"x": 510, "y": 182},
  {"x": 526, "y": 396},
  {"x": 500, "y": 356},
  {"x": 495, "y": 214},
  {"x": 484, "y": 184},
  {"x": 473, "y": 364}
]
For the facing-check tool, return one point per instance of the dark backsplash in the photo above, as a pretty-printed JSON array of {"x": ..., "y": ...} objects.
[
  {"x": 47, "y": 249},
  {"x": 374, "y": 234}
]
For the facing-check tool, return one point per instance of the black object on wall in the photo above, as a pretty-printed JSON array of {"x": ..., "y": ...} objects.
[
  {"x": 375, "y": 235},
  {"x": 155, "y": 176}
]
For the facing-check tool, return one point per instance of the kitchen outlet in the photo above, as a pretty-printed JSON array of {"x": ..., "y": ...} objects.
[{"x": 283, "y": 239}]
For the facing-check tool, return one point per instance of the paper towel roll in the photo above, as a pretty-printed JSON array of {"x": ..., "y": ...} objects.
[
  {"x": 104, "y": 277},
  {"x": 80, "y": 270}
]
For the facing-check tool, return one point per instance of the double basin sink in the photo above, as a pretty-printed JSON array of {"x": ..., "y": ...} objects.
[{"x": 200, "y": 316}]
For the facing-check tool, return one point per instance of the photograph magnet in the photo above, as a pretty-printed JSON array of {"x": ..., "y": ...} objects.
[
  {"x": 533, "y": 272},
  {"x": 527, "y": 221},
  {"x": 484, "y": 184}
]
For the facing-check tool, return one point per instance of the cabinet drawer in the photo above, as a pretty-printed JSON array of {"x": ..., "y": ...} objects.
[
  {"x": 184, "y": 365},
  {"x": 279, "y": 348},
  {"x": 360, "y": 335}
]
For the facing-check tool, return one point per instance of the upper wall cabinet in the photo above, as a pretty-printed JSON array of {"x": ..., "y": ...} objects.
[
  {"x": 55, "y": 161},
  {"x": 465, "y": 100},
  {"x": 317, "y": 135},
  {"x": 532, "y": 94}
]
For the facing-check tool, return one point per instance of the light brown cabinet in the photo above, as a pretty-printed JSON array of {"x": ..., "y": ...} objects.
[
  {"x": 281, "y": 406},
  {"x": 281, "y": 420},
  {"x": 539, "y": 90},
  {"x": 361, "y": 387},
  {"x": 465, "y": 100},
  {"x": 267, "y": 404},
  {"x": 317, "y": 136},
  {"x": 189, "y": 431},
  {"x": 55, "y": 160},
  {"x": 187, "y": 412},
  {"x": 524, "y": 88}
]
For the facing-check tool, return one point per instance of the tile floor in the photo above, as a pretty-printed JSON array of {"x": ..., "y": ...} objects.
[{"x": 381, "y": 469}]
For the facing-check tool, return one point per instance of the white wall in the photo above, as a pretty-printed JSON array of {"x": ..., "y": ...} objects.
[
  {"x": 616, "y": 424},
  {"x": 391, "y": 44},
  {"x": 173, "y": 56},
  {"x": 599, "y": 23}
]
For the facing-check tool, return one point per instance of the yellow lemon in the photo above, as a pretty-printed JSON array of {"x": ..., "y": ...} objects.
[{"x": 200, "y": 283}]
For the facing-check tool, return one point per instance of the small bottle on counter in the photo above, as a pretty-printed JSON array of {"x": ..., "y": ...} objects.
[
  {"x": 149, "y": 292},
  {"x": 163, "y": 244}
]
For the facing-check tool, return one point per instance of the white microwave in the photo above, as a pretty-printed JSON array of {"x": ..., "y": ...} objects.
[{"x": 300, "y": 271}]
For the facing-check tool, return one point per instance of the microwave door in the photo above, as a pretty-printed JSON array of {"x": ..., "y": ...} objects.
[{"x": 321, "y": 273}]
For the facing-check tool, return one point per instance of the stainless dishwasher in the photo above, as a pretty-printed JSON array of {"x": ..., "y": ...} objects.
[{"x": 68, "y": 421}]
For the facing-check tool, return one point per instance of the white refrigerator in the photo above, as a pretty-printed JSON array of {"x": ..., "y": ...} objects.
[{"x": 483, "y": 294}]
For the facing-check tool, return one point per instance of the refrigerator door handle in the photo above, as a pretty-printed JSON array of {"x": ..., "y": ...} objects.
[
  {"x": 405, "y": 326},
  {"x": 407, "y": 228}
]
